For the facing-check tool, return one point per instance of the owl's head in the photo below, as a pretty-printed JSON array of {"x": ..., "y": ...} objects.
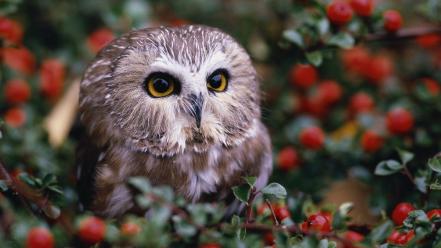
[{"x": 165, "y": 90}]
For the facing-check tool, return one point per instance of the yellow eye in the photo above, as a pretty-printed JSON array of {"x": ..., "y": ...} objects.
[
  {"x": 218, "y": 81},
  {"x": 160, "y": 85}
]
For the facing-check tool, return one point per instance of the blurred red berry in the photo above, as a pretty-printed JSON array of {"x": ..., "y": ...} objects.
[
  {"x": 429, "y": 40},
  {"x": 392, "y": 20},
  {"x": 399, "y": 121},
  {"x": 303, "y": 76},
  {"x": 378, "y": 69},
  {"x": 288, "y": 158},
  {"x": 52, "y": 75},
  {"x": 177, "y": 22},
  {"x": 329, "y": 91},
  {"x": 99, "y": 39},
  {"x": 281, "y": 212},
  {"x": 363, "y": 7},
  {"x": 210, "y": 245},
  {"x": 312, "y": 104},
  {"x": 398, "y": 238},
  {"x": 356, "y": 60},
  {"x": 263, "y": 209},
  {"x": 17, "y": 91},
  {"x": 401, "y": 211},
  {"x": 10, "y": 30},
  {"x": 434, "y": 213},
  {"x": 39, "y": 237},
  {"x": 316, "y": 223},
  {"x": 371, "y": 141},
  {"x": 327, "y": 215},
  {"x": 15, "y": 117},
  {"x": 339, "y": 12},
  {"x": 269, "y": 239},
  {"x": 130, "y": 229},
  {"x": 312, "y": 137},
  {"x": 432, "y": 86},
  {"x": 19, "y": 59},
  {"x": 92, "y": 230},
  {"x": 361, "y": 102},
  {"x": 352, "y": 237}
]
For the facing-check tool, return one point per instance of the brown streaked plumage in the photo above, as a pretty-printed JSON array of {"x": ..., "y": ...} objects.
[{"x": 199, "y": 141}]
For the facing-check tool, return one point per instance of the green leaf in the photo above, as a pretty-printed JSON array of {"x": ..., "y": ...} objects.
[
  {"x": 342, "y": 40},
  {"x": 380, "y": 233},
  {"x": 435, "y": 164},
  {"x": 143, "y": 201},
  {"x": 405, "y": 156},
  {"x": 250, "y": 180},
  {"x": 388, "y": 167},
  {"x": 141, "y": 183},
  {"x": 242, "y": 192},
  {"x": 27, "y": 179},
  {"x": 183, "y": 228},
  {"x": 3, "y": 185},
  {"x": 235, "y": 221},
  {"x": 274, "y": 190},
  {"x": 435, "y": 186},
  {"x": 294, "y": 37},
  {"x": 315, "y": 58},
  {"x": 421, "y": 184}
]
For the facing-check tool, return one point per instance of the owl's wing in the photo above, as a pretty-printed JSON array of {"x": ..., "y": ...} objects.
[{"x": 87, "y": 155}]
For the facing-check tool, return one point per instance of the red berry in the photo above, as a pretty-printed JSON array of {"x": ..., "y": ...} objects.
[
  {"x": 399, "y": 121},
  {"x": 269, "y": 239},
  {"x": 313, "y": 105},
  {"x": 263, "y": 209},
  {"x": 339, "y": 12},
  {"x": 210, "y": 245},
  {"x": 371, "y": 141},
  {"x": 329, "y": 91},
  {"x": 281, "y": 212},
  {"x": 392, "y": 20},
  {"x": 352, "y": 237},
  {"x": 10, "y": 30},
  {"x": 378, "y": 69},
  {"x": 434, "y": 213},
  {"x": 356, "y": 60},
  {"x": 92, "y": 230},
  {"x": 176, "y": 22},
  {"x": 303, "y": 76},
  {"x": 130, "y": 229},
  {"x": 363, "y": 7},
  {"x": 52, "y": 76},
  {"x": 99, "y": 39},
  {"x": 19, "y": 59},
  {"x": 327, "y": 215},
  {"x": 39, "y": 237},
  {"x": 288, "y": 158},
  {"x": 312, "y": 137},
  {"x": 432, "y": 86},
  {"x": 361, "y": 102},
  {"x": 429, "y": 40},
  {"x": 15, "y": 117},
  {"x": 17, "y": 91},
  {"x": 398, "y": 238},
  {"x": 401, "y": 211},
  {"x": 316, "y": 223}
]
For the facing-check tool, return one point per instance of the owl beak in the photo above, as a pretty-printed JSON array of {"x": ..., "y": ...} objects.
[{"x": 197, "y": 103}]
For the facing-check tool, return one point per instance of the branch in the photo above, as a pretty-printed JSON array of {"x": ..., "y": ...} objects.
[
  {"x": 28, "y": 196},
  {"x": 403, "y": 34}
]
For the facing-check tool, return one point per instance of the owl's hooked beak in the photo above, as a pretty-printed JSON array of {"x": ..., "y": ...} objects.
[{"x": 197, "y": 103}]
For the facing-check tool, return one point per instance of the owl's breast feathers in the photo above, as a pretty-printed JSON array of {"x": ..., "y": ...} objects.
[{"x": 194, "y": 175}]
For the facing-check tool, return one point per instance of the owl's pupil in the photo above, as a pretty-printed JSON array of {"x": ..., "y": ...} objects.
[
  {"x": 216, "y": 81},
  {"x": 161, "y": 85}
]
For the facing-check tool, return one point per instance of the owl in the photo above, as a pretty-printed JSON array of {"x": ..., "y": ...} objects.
[{"x": 177, "y": 105}]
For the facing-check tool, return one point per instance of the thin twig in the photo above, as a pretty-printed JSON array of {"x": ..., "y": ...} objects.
[{"x": 268, "y": 203}]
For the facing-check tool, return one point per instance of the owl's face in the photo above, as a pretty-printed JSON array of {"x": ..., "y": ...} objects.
[{"x": 166, "y": 90}]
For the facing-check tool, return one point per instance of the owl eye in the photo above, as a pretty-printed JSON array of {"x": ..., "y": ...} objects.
[
  {"x": 218, "y": 80},
  {"x": 160, "y": 85}
]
